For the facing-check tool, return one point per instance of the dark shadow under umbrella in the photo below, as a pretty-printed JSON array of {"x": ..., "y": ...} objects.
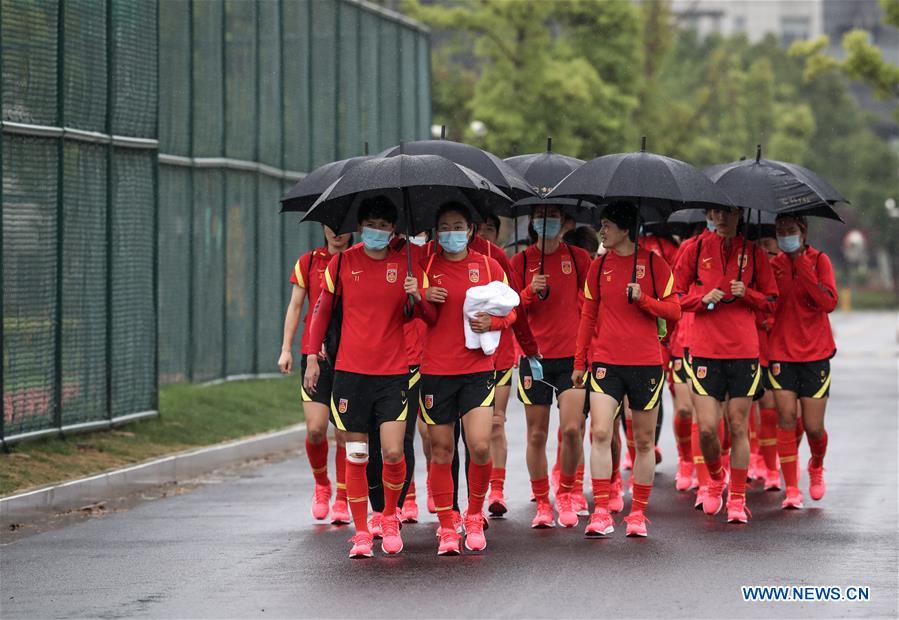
[
  {"x": 657, "y": 184},
  {"x": 417, "y": 185}
]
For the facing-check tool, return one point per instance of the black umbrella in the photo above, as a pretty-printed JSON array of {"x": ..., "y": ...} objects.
[
  {"x": 418, "y": 185},
  {"x": 482, "y": 162},
  {"x": 776, "y": 187},
  {"x": 681, "y": 223},
  {"x": 544, "y": 171},
  {"x": 307, "y": 190},
  {"x": 655, "y": 183}
]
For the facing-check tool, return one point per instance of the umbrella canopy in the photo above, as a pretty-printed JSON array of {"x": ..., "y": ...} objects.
[
  {"x": 302, "y": 195},
  {"x": 776, "y": 187},
  {"x": 418, "y": 185},
  {"x": 681, "y": 223},
  {"x": 760, "y": 224},
  {"x": 544, "y": 170},
  {"x": 656, "y": 183},
  {"x": 485, "y": 164}
]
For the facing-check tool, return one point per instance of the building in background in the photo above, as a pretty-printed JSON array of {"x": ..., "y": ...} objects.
[{"x": 789, "y": 20}]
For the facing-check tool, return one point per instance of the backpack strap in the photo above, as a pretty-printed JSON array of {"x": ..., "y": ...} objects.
[
  {"x": 696, "y": 262},
  {"x": 577, "y": 272},
  {"x": 652, "y": 276}
]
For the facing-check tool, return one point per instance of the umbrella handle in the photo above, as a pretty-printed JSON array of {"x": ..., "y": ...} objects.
[
  {"x": 630, "y": 294},
  {"x": 409, "y": 306},
  {"x": 542, "y": 295}
]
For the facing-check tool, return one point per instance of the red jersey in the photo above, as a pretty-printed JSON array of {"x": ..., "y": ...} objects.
[
  {"x": 446, "y": 353},
  {"x": 307, "y": 274},
  {"x": 614, "y": 331},
  {"x": 808, "y": 293},
  {"x": 682, "y": 328},
  {"x": 553, "y": 319},
  {"x": 372, "y": 338},
  {"x": 415, "y": 331},
  {"x": 505, "y": 354},
  {"x": 662, "y": 246},
  {"x": 728, "y": 331}
]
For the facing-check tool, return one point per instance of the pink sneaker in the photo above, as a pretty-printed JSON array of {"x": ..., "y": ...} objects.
[
  {"x": 321, "y": 497},
  {"x": 496, "y": 503},
  {"x": 567, "y": 514},
  {"x": 448, "y": 542},
  {"x": 544, "y": 516},
  {"x": 362, "y": 543},
  {"x": 816, "y": 486},
  {"x": 793, "y": 500},
  {"x": 772, "y": 480},
  {"x": 616, "y": 498},
  {"x": 391, "y": 541},
  {"x": 684, "y": 476},
  {"x": 410, "y": 511},
  {"x": 699, "y": 500},
  {"x": 474, "y": 532},
  {"x": 714, "y": 497},
  {"x": 579, "y": 503},
  {"x": 737, "y": 512},
  {"x": 374, "y": 524},
  {"x": 600, "y": 525},
  {"x": 636, "y": 524},
  {"x": 340, "y": 512}
]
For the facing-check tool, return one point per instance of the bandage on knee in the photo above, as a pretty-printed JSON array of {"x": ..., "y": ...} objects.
[{"x": 357, "y": 452}]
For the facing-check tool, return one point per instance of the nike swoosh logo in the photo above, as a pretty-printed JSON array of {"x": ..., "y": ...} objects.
[
  {"x": 605, "y": 273},
  {"x": 706, "y": 260},
  {"x": 356, "y": 273},
  {"x": 534, "y": 269},
  {"x": 437, "y": 276}
]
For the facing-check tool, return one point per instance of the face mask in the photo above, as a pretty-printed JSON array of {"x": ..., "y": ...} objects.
[
  {"x": 453, "y": 241},
  {"x": 790, "y": 243},
  {"x": 419, "y": 241},
  {"x": 553, "y": 226},
  {"x": 374, "y": 239},
  {"x": 710, "y": 225}
]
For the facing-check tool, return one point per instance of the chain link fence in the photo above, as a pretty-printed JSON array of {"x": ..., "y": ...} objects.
[{"x": 128, "y": 262}]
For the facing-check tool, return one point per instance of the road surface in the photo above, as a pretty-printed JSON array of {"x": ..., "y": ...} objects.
[{"x": 246, "y": 546}]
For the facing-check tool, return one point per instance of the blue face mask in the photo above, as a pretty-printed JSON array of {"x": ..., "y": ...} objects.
[
  {"x": 790, "y": 243},
  {"x": 419, "y": 241},
  {"x": 453, "y": 241},
  {"x": 553, "y": 226},
  {"x": 374, "y": 239},
  {"x": 710, "y": 225}
]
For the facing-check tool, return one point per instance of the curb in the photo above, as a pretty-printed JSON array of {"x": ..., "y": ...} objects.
[{"x": 169, "y": 469}]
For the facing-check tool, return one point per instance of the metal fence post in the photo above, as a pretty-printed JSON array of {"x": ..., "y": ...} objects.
[
  {"x": 224, "y": 206},
  {"x": 190, "y": 200},
  {"x": 155, "y": 182},
  {"x": 60, "y": 173},
  {"x": 110, "y": 153},
  {"x": 255, "y": 206}
]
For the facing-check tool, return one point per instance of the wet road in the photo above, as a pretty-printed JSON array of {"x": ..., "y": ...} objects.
[{"x": 247, "y": 546}]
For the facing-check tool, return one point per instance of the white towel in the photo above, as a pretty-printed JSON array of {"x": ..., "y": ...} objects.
[{"x": 496, "y": 299}]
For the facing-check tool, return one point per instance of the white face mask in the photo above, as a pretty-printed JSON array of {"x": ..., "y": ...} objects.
[{"x": 419, "y": 241}]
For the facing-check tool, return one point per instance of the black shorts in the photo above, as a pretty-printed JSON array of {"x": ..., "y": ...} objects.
[
  {"x": 641, "y": 384},
  {"x": 678, "y": 370},
  {"x": 414, "y": 389},
  {"x": 503, "y": 377},
  {"x": 763, "y": 385},
  {"x": 807, "y": 379},
  {"x": 361, "y": 403},
  {"x": 322, "y": 393},
  {"x": 723, "y": 379},
  {"x": 556, "y": 378},
  {"x": 446, "y": 398}
]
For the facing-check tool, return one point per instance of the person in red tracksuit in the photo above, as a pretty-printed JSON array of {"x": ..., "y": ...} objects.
[
  {"x": 620, "y": 337},
  {"x": 457, "y": 382},
  {"x": 553, "y": 318},
  {"x": 724, "y": 279},
  {"x": 800, "y": 348}
]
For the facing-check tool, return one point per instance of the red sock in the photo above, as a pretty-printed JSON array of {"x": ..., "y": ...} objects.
[
  {"x": 819, "y": 449},
  {"x": 478, "y": 483},
  {"x": 716, "y": 470},
  {"x": 737, "y": 483},
  {"x": 340, "y": 471},
  {"x": 786, "y": 448},
  {"x": 601, "y": 492},
  {"x": 579, "y": 479},
  {"x": 566, "y": 483},
  {"x": 393, "y": 476},
  {"x": 410, "y": 492},
  {"x": 768, "y": 438},
  {"x": 641, "y": 497},
  {"x": 558, "y": 466},
  {"x": 541, "y": 489},
  {"x": 629, "y": 434},
  {"x": 683, "y": 427},
  {"x": 357, "y": 494},
  {"x": 702, "y": 472},
  {"x": 753, "y": 430},
  {"x": 498, "y": 479},
  {"x": 318, "y": 460},
  {"x": 441, "y": 476}
]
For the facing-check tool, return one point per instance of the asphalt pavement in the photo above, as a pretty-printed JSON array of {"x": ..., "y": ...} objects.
[{"x": 245, "y": 545}]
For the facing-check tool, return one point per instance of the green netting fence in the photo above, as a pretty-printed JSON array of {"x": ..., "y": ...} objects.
[{"x": 144, "y": 148}]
